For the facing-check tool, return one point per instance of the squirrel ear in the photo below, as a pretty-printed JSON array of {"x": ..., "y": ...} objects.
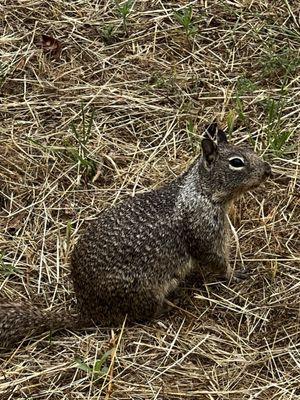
[
  {"x": 213, "y": 131},
  {"x": 221, "y": 136},
  {"x": 209, "y": 149}
]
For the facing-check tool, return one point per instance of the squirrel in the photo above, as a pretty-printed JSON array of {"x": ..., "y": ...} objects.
[{"x": 136, "y": 253}]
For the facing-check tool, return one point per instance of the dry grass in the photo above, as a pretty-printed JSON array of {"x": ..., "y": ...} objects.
[{"x": 111, "y": 106}]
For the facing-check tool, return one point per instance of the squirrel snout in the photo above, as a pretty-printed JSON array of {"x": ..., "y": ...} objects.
[{"x": 267, "y": 170}]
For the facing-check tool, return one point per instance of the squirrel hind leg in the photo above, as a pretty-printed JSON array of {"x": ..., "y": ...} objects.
[
  {"x": 155, "y": 304},
  {"x": 139, "y": 303},
  {"x": 137, "y": 307},
  {"x": 151, "y": 307}
]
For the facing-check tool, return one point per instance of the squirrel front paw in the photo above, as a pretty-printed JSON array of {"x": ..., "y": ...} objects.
[{"x": 239, "y": 276}]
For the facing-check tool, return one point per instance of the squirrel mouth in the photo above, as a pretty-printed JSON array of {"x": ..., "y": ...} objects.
[{"x": 257, "y": 184}]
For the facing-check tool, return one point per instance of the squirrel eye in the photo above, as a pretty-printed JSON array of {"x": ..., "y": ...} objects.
[{"x": 237, "y": 162}]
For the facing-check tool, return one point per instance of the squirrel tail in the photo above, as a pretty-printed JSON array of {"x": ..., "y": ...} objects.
[{"x": 19, "y": 320}]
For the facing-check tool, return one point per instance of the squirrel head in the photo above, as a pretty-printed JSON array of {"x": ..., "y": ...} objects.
[{"x": 229, "y": 170}]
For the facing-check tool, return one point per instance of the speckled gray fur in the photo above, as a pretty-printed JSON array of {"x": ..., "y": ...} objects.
[{"x": 134, "y": 254}]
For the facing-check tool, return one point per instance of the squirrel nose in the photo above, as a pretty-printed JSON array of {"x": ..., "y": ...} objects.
[{"x": 268, "y": 171}]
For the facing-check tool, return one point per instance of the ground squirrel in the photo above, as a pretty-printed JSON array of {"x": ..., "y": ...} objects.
[{"x": 134, "y": 254}]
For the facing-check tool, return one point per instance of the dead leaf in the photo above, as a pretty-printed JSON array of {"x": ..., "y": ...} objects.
[
  {"x": 51, "y": 46},
  {"x": 21, "y": 64}
]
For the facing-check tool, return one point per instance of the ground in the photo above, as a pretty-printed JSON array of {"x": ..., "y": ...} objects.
[{"x": 104, "y": 99}]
